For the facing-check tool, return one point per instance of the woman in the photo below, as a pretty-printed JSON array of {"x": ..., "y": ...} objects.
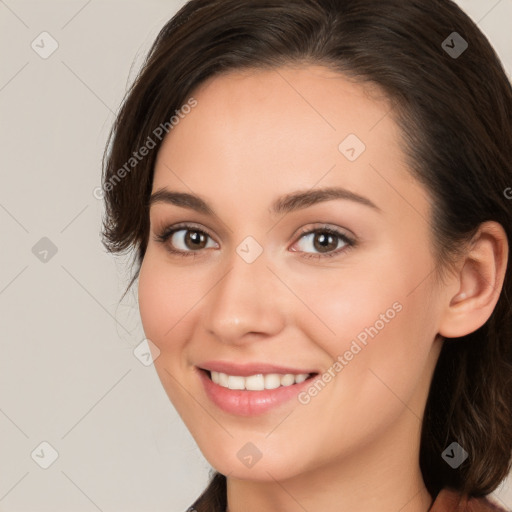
[{"x": 318, "y": 193}]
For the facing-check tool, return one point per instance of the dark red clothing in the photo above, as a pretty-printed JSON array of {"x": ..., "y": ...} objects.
[{"x": 449, "y": 500}]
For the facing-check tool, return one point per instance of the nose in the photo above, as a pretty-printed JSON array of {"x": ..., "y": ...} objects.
[{"x": 246, "y": 303}]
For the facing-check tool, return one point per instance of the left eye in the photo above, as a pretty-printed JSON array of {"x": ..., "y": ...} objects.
[{"x": 325, "y": 241}]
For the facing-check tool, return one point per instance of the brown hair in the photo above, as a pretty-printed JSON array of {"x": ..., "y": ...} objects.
[{"x": 455, "y": 115}]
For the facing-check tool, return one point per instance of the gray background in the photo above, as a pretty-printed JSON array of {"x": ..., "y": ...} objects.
[{"x": 68, "y": 373}]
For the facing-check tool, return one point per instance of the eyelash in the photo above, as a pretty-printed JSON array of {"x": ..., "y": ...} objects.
[{"x": 167, "y": 232}]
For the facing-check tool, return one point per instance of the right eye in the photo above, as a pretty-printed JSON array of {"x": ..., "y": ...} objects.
[{"x": 184, "y": 239}]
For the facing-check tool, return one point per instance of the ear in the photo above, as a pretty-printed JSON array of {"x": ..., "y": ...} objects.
[{"x": 478, "y": 283}]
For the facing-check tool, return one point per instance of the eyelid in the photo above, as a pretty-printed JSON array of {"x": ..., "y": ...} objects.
[
  {"x": 168, "y": 230},
  {"x": 319, "y": 226}
]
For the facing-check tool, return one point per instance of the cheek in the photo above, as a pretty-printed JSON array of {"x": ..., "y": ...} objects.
[
  {"x": 163, "y": 307},
  {"x": 376, "y": 321},
  {"x": 150, "y": 299},
  {"x": 162, "y": 302},
  {"x": 345, "y": 304}
]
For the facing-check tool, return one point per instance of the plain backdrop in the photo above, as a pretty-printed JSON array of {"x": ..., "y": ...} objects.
[{"x": 71, "y": 387}]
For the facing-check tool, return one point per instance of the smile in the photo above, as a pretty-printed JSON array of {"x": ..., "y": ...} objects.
[{"x": 252, "y": 394}]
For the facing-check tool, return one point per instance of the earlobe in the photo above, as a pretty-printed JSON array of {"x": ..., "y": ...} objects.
[{"x": 480, "y": 282}]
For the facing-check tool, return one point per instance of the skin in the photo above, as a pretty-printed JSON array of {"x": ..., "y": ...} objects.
[{"x": 254, "y": 136}]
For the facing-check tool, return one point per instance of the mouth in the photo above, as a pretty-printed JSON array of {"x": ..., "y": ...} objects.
[{"x": 253, "y": 394}]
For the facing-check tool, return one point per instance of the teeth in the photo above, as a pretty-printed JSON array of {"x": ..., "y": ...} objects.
[
  {"x": 287, "y": 380},
  {"x": 236, "y": 382},
  {"x": 272, "y": 381},
  {"x": 254, "y": 382},
  {"x": 223, "y": 379},
  {"x": 257, "y": 382}
]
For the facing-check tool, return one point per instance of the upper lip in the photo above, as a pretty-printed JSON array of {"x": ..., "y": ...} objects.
[{"x": 244, "y": 370}]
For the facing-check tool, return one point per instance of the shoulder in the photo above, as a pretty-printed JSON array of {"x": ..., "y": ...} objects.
[{"x": 450, "y": 500}]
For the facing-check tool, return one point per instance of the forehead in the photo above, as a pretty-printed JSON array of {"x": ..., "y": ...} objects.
[
  {"x": 301, "y": 99},
  {"x": 281, "y": 128}
]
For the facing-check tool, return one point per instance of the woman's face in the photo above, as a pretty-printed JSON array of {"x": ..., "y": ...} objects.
[{"x": 259, "y": 288}]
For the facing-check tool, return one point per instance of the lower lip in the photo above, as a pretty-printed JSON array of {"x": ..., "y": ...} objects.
[{"x": 249, "y": 403}]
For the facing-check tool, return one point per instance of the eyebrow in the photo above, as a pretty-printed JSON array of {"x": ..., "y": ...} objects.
[{"x": 288, "y": 203}]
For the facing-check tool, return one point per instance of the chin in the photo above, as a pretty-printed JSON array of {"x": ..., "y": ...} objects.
[{"x": 264, "y": 469}]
